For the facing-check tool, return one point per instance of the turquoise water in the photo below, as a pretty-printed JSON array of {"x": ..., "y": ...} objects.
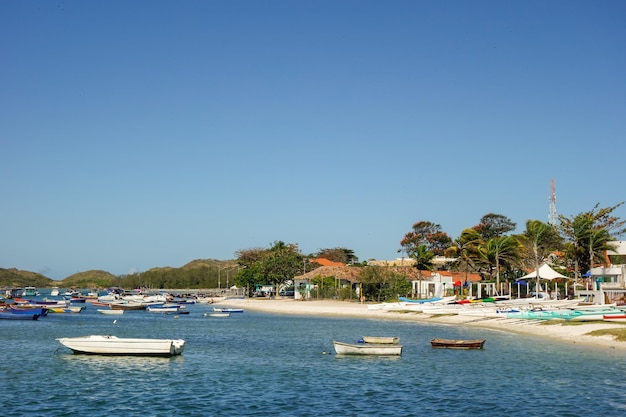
[{"x": 259, "y": 364}]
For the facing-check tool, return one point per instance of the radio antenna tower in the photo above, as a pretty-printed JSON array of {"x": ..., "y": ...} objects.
[{"x": 552, "y": 212}]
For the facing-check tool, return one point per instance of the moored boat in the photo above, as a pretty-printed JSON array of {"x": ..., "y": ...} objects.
[
  {"x": 9, "y": 315},
  {"x": 383, "y": 340},
  {"x": 65, "y": 309},
  {"x": 228, "y": 310},
  {"x": 28, "y": 309},
  {"x": 367, "y": 349},
  {"x": 163, "y": 309},
  {"x": 30, "y": 292},
  {"x": 113, "y": 345},
  {"x": 130, "y": 305},
  {"x": 110, "y": 311},
  {"x": 216, "y": 314},
  {"x": 457, "y": 343}
]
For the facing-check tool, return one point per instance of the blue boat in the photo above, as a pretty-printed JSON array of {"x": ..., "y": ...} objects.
[
  {"x": 42, "y": 311},
  {"x": 9, "y": 315}
]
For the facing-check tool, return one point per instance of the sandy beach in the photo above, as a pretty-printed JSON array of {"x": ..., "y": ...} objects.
[{"x": 570, "y": 333}]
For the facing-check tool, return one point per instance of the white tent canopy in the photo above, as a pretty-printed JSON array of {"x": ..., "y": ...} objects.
[{"x": 545, "y": 272}]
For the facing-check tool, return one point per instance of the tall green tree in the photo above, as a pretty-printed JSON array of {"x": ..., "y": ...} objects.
[
  {"x": 494, "y": 225},
  {"x": 427, "y": 234},
  {"x": 381, "y": 283},
  {"x": 276, "y": 265}
]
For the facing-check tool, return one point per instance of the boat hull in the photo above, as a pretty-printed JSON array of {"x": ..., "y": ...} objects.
[
  {"x": 457, "y": 344},
  {"x": 115, "y": 346},
  {"x": 367, "y": 349},
  {"x": 110, "y": 312},
  {"x": 23, "y": 316},
  {"x": 381, "y": 340}
]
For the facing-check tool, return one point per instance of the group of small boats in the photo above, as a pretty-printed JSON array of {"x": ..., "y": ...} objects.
[
  {"x": 390, "y": 346},
  {"x": 501, "y": 307}
]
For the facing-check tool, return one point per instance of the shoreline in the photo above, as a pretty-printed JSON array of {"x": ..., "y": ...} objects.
[{"x": 565, "y": 334}]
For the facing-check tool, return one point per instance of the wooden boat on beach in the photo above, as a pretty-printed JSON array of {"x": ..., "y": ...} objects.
[
  {"x": 436, "y": 300},
  {"x": 113, "y": 345},
  {"x": 457, "y": 344},
  {"x": 383, "y": 340},
  {"x": 367, "y": 349}
]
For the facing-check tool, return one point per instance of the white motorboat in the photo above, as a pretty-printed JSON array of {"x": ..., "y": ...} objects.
[
  {"x": 216, "y": 314},
  {"x": 113, "y": 345},
  {"x": 367, "y": 349},
  {"x": 163, "y": 309}
]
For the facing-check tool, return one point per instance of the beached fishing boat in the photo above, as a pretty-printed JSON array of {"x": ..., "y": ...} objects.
[
  {"x": 381, "y": 340},
  {"x": 442, "y": 300},
  {"x": 367, "y": 349},
  {"x": 620, "y": 318},
  {"x": 113, "y": 345},
  {"x": 457, "y": 344}
]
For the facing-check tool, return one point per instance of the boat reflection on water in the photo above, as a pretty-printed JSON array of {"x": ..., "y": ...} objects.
[{"x": 119, "y": 363}]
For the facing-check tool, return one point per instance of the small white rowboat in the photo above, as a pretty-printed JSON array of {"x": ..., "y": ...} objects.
[{"x": 367, "y": 349}]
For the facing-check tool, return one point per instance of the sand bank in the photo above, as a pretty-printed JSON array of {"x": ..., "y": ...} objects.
[{"x": 577, "y": 333}]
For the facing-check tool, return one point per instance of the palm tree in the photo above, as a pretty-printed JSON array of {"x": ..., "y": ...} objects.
[
  {"x": 540, "y": 239},
  {"x": 423, "y": 261},
  {"x": 589, "y": 234},
  {"x": 501, "y": 250},
  {"x": 467, "y": 250}
]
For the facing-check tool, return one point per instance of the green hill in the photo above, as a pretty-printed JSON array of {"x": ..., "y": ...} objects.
[
  {"x": 199, "y": 273},
  {"x": 16, "y": 278}
]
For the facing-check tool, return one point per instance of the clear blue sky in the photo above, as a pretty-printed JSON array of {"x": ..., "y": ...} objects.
[{"x": 140, "y": 134}]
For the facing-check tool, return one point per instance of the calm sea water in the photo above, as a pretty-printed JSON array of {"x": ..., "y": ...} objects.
[{"x": 258, "y": 364}]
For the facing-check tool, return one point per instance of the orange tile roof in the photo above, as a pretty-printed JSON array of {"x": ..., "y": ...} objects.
[{"x": 326, "y": 262}]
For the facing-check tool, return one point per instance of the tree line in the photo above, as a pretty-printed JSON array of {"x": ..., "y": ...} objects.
[{"x": 489, "y": 249}]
